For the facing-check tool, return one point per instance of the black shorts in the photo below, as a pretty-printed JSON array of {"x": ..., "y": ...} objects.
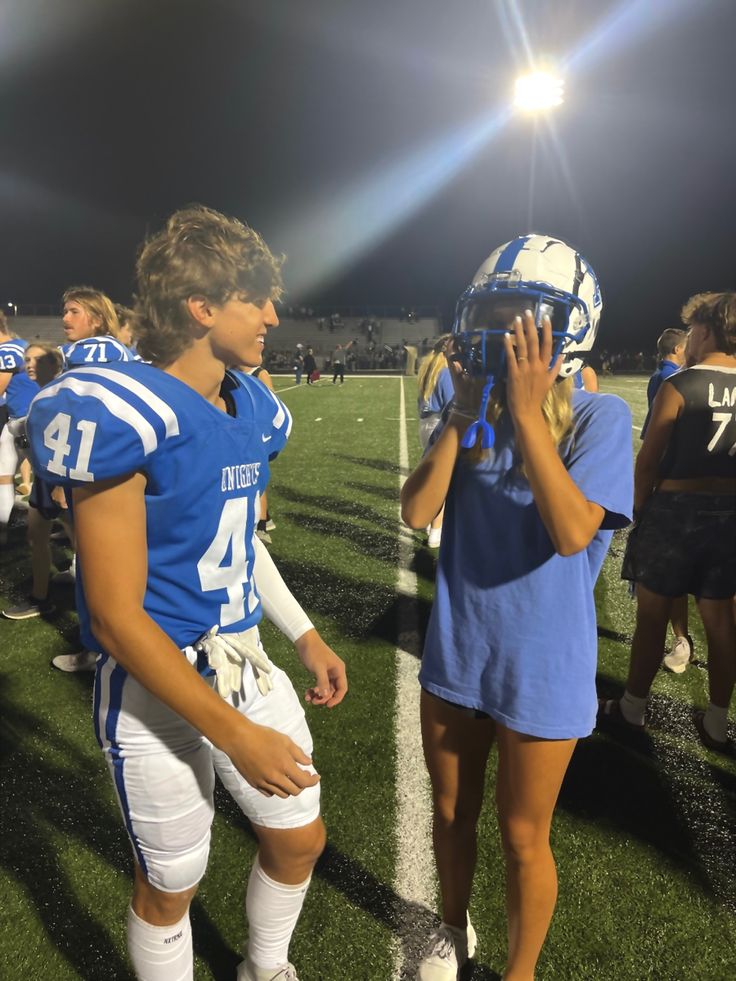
[
  {"x": 684, "y": 543},
  {"x": 40, "y": 499}
]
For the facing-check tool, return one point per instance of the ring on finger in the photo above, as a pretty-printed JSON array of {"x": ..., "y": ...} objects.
[{"x": 522, "y": 357}]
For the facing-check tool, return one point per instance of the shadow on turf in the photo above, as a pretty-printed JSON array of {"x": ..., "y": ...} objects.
[
  {"x": 357, "y": 608},
  {"x": 650, "y": 786},
  {"x": 374, "y": 490},
  {"x": 336, "y": 505},
  {"x": 373, "y": 464},
  {"x": 37, "y": 796}
]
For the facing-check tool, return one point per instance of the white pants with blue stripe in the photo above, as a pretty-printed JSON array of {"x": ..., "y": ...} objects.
[{"x": 163, "y": 771}]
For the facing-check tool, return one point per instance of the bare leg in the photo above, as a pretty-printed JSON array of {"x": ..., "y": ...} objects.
[
  {"x": 25, "y": 476},
  {"x": 288, "y": 855},
  {"x": 652, "y": 614},
  {"x": 530, "y": 774},
  {"x": 720, "y": 631},
  {"x": 156, "y": 907},
  {"x": 456, "y": 748},
  {"x": 678, "y": 616}
]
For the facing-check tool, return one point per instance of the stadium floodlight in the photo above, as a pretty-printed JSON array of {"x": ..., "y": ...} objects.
[
  {"x": 538, "y": 91},
  {"x": 14, "y": 308}
]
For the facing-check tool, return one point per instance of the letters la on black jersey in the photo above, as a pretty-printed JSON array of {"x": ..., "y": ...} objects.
[
  {"x": 703, "y": 443},
  {"x": 205, "y": 471}
]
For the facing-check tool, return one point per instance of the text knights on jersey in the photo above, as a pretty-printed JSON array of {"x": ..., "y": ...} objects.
[{"x": 242, "y": 475}]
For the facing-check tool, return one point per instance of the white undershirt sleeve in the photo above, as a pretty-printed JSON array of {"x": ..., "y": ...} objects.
[{"x": 278, "y": 602}]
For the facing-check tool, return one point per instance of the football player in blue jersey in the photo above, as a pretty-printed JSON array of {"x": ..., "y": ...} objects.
[
  {"x": 91, "y": 326},
  {"x": 536, "y": 474},
  {"x": 167, "y": 461},
  {"x": 17, "y": 390}
]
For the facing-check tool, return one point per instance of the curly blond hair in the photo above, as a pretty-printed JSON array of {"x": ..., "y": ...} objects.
[
  {"x": 717, "y": 311},
  {"x": 199, "y": 252}
]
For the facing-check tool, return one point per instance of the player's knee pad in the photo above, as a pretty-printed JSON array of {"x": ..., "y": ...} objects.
[{"x": 175, "y": 871}]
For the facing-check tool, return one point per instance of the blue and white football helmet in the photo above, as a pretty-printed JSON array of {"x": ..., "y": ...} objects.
[{"x": 533, "y": 272}]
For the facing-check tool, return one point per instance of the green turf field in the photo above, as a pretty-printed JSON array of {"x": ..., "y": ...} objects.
[{"x": 645, "y": 832}]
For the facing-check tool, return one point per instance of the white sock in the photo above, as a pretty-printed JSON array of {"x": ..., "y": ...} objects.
[
  {"x": 7, "y": 500},
  {"x": 633, "y": 708},
  {"x": 272, "y": 909},
  {"x": 715, "y": 722},
  {"x": 160, "y": 953}
]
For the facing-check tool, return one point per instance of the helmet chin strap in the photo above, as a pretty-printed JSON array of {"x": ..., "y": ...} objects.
[{"x": 488, "y": 436}]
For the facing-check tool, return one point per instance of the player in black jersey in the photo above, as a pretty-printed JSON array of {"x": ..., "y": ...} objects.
[{"x": 684, "y": 539}]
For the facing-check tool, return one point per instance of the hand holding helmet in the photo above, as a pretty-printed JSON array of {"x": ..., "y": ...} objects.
[{"x": 528, "y": 373}]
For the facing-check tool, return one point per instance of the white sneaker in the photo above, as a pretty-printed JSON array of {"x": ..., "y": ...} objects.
[
  {"x": 83, "y": 661},
  {"x": 247, "y": 971},
  {"x": 435, "y": 537},
  {"x": 679, "y": 657},
  {"x": 447, "y": 953}
]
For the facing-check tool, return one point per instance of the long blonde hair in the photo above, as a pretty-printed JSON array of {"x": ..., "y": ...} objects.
[
  {"x": 430, "y": 367},
  {"x": 98, "y": 307},
  {"x": 556, "y": 410}
]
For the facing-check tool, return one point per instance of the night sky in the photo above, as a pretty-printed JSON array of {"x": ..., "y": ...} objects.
[{"x": 372, "y": 142}]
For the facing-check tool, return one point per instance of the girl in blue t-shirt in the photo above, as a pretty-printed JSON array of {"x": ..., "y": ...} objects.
[
  {"x": 435, "y": 391},
  {"x": 510, "y": 654}
]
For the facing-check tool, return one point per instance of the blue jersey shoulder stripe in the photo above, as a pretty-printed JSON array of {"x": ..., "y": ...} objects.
[
  {"x": 282, "y": 413},
  {"x": 13, "y": 348},
  {"x": 115, "y": 405},
  {"x": 162, "y": 410}
]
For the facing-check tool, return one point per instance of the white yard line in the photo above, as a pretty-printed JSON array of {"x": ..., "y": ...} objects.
[{"x": 415, "y": 880}]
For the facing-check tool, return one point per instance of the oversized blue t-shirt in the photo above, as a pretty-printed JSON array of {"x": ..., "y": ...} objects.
[
  {"x": 513, "y": 627},
  {"x": 205, "y": 471},
  {"x": 443, "y": 392}
]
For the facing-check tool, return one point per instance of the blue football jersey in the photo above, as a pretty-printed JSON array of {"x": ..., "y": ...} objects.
[
  {"x": 205, "y": 472},
  {"x": 94, "y": 350},
  {"x": 21, "y": 389}
]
